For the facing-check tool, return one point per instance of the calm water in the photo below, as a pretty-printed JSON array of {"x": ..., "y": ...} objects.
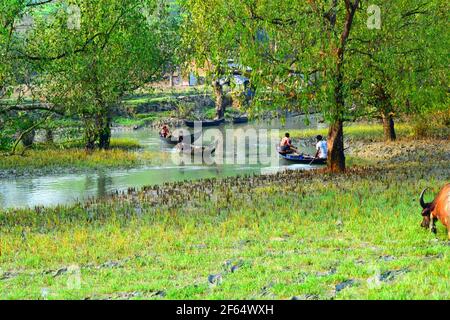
[{"x": 67, "y": 188}]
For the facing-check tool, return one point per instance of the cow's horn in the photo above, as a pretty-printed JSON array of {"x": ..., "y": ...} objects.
[{"x": 422, "y": 202}]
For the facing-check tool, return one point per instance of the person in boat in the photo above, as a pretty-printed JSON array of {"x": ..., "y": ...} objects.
[
  {"x": 165, "y": 131},
  {"x": 286, "y": 146},
  {"x": 322, "y": 148},
  {"x": 182, "y": 146}
]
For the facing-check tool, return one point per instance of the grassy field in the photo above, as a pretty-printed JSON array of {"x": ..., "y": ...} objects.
[{"x": 307, "y": 235}]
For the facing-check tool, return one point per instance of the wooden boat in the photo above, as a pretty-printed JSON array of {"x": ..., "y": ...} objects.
[
  {"x": 302, "y": 159},
  {"x": 204, "y": 123},
  {"x": 238, "y": 120},
  {"x": 194, "y": 150},
  {"x": 174, "y": 140}
]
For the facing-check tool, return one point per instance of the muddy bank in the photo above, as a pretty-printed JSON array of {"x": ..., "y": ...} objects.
[
  {"x": 401, "y": 151},
  {"x": 427, "y": 150},
  {"x": 11, "y": 174}
]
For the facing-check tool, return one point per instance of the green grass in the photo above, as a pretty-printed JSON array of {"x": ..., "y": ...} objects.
[
  {"x": 147, "y": 99},
  {"x": 125, "y": 144},
  {"x": 116, "y": 143},
  {"x": 292, "y": 234},
  {"x": 374, "y": 132},
  {"x": 141, "y": 119},
  {"x": 361, "y": 132},
  {"x": 161, "y": 96},
  {"x": 45, "y": 159},
  {"x": 211, "y": 113},
  {"x": 69, "y": 158}
]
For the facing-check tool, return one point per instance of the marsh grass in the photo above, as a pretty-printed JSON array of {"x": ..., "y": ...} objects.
[
  {"x": 373, "y": 132},
  {"x": 161, "y": 96},
  {"x": 124, "y": 153},
  {"x": 357, "y": 132},
  {"x": 140, "y": 120},
  {"x": 125, "y": 144},
  {"x": 291, "y": 234},
  {"x": 68, "y": 158}
]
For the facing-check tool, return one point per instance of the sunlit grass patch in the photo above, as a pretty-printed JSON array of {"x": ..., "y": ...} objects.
[
  {"x": 140, "y": 120},
  {"x": 125, "y": 143},
  {"x": 360, "y": 132},
  {"x": 373, "y": 132},
  {"x": 68, "y": 158},
  {"x": 124, "y": 153}
]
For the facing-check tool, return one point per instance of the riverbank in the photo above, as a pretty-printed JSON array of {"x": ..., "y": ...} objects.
[
  {"x": 364, "y": 146},
  {"x": 311, "y": 235}
]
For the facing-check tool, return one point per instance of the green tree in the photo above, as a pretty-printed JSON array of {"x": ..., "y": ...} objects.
[
  {"x": 304, "y": 54},
  {"x": 400, "y": 66},
  {"x": 15, "y": 76},
  {"x": 88, "y": 54},
  {"x": 287, "y": 43},
  {"x": 116, "y": 47}
]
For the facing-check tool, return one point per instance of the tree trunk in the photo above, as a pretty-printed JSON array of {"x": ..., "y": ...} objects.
[
  {"x": 104, "y": 128},
  {"x": 28, "y": 138},
  {"x": 389, "y": 127},
  {"x": 336, "y": 156},
  {"x": 90, "y": 134},
  {"x": 220, "y": 105},
  {"x": 49, "y": 136},
  {"x": 172, "y": 82}
]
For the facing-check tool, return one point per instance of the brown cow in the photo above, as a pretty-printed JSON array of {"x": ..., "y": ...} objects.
[{"x": 439, "y": 209}]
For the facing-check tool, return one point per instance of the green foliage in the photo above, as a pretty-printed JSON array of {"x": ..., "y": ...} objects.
[
  {"x": 434, "y": 124},
  {"x": 184, "y": 110},
  {"x": 291, "y": 46},
  {"x": 401, "y": 68},
  {"x": 84, "y": 67}
]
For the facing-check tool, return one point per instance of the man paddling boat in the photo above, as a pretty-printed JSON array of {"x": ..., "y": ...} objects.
[
  {"x": 286, "y": 146},
  {"x": 165, "y": 132}
]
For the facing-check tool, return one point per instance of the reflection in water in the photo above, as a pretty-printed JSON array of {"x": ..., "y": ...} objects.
[
  {"x": 67, "y": 188},
  {"x": 103, "y": 182}
]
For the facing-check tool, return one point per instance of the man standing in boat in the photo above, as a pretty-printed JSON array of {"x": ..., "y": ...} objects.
[{"x": 322, "y": 148}]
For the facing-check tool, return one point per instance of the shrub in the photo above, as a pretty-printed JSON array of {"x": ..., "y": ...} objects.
[{"x": 436, "y": 124}]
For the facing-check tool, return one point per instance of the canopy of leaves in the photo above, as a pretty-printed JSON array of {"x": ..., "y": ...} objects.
[
  {"x": 79, "y": 57},
  {"x": 292, "y": 48}
]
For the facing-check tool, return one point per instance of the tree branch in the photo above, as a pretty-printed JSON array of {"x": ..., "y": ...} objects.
[
  {"x": 31, "y": 108},
  {"x": 35, "y": 4}
]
